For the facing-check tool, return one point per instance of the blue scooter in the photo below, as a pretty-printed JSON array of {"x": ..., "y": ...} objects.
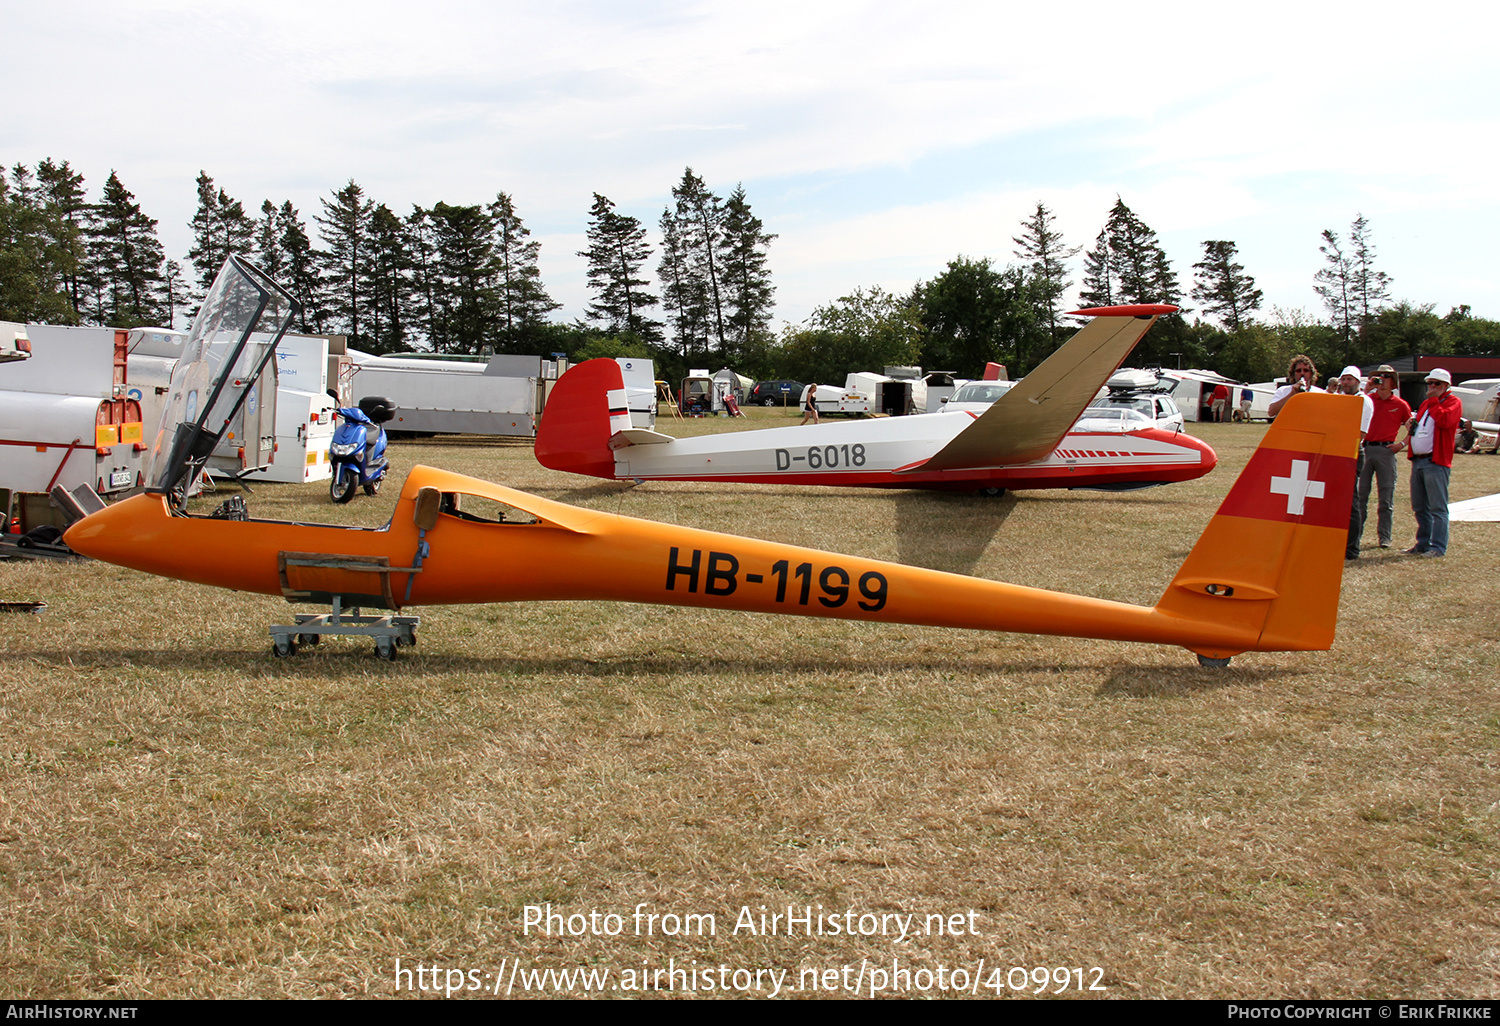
[{"x": 357, "y": 452}]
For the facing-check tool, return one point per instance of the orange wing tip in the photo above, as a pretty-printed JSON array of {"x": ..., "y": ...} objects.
[{"x": 1137, "y": 310}]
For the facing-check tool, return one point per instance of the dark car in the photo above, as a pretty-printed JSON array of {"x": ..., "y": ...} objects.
[{"x": 775, "y": 393}]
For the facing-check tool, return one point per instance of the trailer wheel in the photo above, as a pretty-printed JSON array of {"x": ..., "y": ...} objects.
[{"x": 341, "y": 488}]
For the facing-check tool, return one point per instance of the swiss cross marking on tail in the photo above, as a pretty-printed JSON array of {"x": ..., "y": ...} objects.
[{"x": 1297, "y": 488}]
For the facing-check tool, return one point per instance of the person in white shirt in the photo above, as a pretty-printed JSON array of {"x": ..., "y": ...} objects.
[{"x": 1301, "y": 374}]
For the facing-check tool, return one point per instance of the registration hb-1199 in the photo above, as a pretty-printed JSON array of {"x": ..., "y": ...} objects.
[{"x": 719, "y": 574}]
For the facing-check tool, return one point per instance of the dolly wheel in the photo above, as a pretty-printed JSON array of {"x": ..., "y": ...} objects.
[
  {"x": 385, "y": 650},
  {"x": 284, "y": 649}
]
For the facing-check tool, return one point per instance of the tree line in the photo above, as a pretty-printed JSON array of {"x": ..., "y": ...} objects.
[
  {"x": 447, "y": 278},
  {"x": 465, "y": 279},
  {"x": 975, "y": 311}
]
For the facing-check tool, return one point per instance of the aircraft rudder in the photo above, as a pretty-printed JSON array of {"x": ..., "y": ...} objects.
[
  {"x": 1270, "y": 563},
  {"x": 576, "y": 424}
]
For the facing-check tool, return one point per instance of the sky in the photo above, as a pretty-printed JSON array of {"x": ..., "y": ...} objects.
[{"x": 877, "y": 141}]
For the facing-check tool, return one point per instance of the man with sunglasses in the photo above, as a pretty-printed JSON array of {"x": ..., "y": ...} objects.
[
  {"x": 1379, "y": 466},
  {"x": 1301, "y": 375},
  {"x": 1430, "y": 447}
]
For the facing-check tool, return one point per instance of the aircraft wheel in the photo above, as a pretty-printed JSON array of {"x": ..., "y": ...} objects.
[
  {"x": 991, "y": 493},
  {"x": 1204, "y": 660},
  {"x": 341, "y": 488},
  {"x": 373, "y": 488},
  {"x": 284, "y": 649}
]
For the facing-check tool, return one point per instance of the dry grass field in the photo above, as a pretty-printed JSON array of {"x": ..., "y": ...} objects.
[{"x": 182, "y": 815}]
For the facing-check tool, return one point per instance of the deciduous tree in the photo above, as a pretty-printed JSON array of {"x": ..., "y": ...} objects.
[{"x": 973, "y": 313}]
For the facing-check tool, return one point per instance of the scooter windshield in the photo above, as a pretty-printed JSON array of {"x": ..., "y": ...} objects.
[{"x": 219, "y": 361}]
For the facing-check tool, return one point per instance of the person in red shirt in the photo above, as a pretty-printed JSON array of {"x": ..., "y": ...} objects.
[
  {"x": 1220, "y": 402},
  {"x": 1430, "y": 444},
  {"x": 1379, "y": 467}
]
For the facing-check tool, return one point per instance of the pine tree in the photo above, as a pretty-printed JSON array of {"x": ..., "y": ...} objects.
[
  {"x": 345, "y": 228},
  {"x": 269, "y": 255},
  {"x": 1368, "y": 287},
  {"x": 301, "y": 271},
  {"x": 65, "y": 208},
  {"x": 617, "y": 253},
  {"x": 1099, "y": 286},
  {"x": 1223, "y": 287},
  {"x": 465, "y": 276},
  {"x": 1127, "y": 264},
  {"x": 699, "y": 227},
  {"x": 220, "y": 228},
  {"x": 128, "y": 258},
  {"x": 31, "y": 287},
  {"x": 389, "y": 285},
  {"x": 422, "y": 259},
  {"x": 1334, "y": 284},
  {"x": 747, "y": 280},
  {"x": 682, "y": 291},
  {"x": 1042, "y": 247},
  {"x": 522, "y": 304}
]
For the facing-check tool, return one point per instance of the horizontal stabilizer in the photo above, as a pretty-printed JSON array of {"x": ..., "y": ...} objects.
[{"x": 638, "y": 436}]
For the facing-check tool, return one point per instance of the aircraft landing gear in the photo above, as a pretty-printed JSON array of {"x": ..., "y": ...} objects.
[
  {"x": 1204, "y": 660},
  {"x": 990, "y": 493}
]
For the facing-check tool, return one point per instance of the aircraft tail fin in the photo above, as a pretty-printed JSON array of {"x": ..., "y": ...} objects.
[
  {"x": 1271, "y": 560},
  {"x": 584, "y": 411}
]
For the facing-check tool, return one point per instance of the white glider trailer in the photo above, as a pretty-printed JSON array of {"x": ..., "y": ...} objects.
[
  {"x": 65, "y": 415},
  {"x": 503, "y": 396}
]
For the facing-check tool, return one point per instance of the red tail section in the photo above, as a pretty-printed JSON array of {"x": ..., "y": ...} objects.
[{"x": 575, "y": 430}]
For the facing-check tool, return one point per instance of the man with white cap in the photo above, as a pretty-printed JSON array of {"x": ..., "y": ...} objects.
[
  {"x": 1391, "y": 415},
  {"x": 1430, "y": 438},
  {"x": 1349, "y": 382}
]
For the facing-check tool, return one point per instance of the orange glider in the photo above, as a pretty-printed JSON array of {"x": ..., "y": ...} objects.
[{"x": 1264, "y": 576}]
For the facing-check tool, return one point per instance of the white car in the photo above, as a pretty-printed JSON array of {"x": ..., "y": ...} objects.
[
  {"x": 975, "y": 396},
  {"x": 1154, "y": 407}
]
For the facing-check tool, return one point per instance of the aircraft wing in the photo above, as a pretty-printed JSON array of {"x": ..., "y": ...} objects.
[{"x": 1029, "y": 421}]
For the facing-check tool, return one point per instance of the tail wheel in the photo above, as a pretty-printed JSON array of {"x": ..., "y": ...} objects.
[{"x": 341, "y": 488}]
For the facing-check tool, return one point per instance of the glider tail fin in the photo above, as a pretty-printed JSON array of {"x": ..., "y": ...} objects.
[
  {"x": 1269, "y": 565},
  {"x": 585, "y": 409}
]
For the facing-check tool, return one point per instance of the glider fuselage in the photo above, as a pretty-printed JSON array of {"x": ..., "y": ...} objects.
[{"x": 888, "y": 453}]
